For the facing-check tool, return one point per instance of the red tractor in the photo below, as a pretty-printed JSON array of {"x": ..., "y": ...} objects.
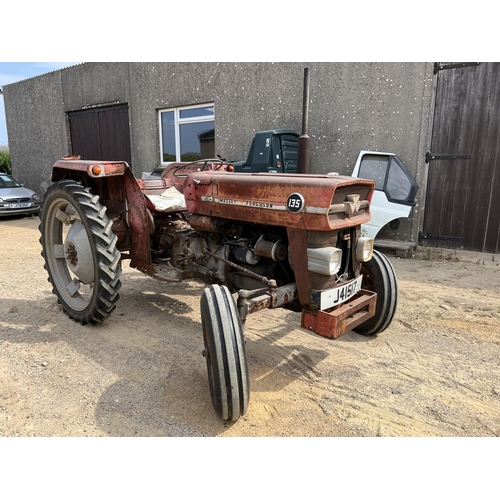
[{"x": 258, "y": 240}]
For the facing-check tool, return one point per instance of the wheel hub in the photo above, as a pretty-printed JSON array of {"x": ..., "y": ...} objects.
[{"x": 78, "y": 253}]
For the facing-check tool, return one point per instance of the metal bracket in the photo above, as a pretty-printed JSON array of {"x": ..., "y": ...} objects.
[
  {"x": 430, "y": 157},
  {"x": 250, "y": 301},
  {"x": 334, "y": 322}
]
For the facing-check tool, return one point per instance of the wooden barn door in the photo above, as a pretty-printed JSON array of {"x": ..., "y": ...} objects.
[
  {"x": 463, "y": 188},
  {"x": 101, "y": 133}
]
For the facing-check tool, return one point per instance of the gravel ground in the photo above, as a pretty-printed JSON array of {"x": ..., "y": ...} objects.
[{"x": 433, "y": 372}]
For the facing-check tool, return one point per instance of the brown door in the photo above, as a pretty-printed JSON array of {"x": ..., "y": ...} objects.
[
  {"x": 101, "y": 133},
  {"x": 463, "y": 188}
]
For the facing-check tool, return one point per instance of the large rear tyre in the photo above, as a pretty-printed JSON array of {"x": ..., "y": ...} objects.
[
  {"x": 79, "y": 249},
  {"x": 379, "y": 277},
  {"x": 225, "y": 353}
]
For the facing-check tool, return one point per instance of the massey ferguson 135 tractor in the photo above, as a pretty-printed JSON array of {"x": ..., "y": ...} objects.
[{"x": 258, "y": 240}]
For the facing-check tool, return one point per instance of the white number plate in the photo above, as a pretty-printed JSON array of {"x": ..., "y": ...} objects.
[
  {"x": 20, "y": 205},
  {"x": 336, "y": 296}
]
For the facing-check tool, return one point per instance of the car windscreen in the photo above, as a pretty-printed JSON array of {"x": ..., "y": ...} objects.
[{"x": 8, "y": 182}]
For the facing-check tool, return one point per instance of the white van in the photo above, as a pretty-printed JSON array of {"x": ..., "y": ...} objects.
[{"x": 395, "y": 189}]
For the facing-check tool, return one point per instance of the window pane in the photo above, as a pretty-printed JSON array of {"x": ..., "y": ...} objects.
[
  {"x": 374, "y": 167},
  {"x": 168, "y": 135},
  {"x": 398, "y": 184},
  {"x": 8, "y": 182},
  {"x": 197, "y": 141},
  {"x": 197, "y": 112}
]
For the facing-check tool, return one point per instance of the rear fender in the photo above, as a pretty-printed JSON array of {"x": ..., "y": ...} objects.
[
  {"x": 73, "y": 167},
  {"x": 114, "y": 181}
]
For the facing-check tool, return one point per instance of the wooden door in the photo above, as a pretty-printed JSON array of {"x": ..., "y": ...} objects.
[
  {"x": 463, "y": 188},
  {"x": 101, "y": 133}
]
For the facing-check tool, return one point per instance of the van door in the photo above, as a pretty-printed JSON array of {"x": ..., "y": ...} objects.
[{"x": 395, "y": 189}]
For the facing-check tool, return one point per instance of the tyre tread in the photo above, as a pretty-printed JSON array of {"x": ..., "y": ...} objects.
[
  {"x": 220, "y": 320},
  {"x": 108, "y": 257},
  {"x": 387, "y": 295}
]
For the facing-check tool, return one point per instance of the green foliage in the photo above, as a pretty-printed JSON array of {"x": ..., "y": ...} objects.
[
  {"x": 190, "y": 157},
  {"x": 5, "y": 162},
  {"x": 185, "y": 157},
  {"x": 168, "y": 157}
]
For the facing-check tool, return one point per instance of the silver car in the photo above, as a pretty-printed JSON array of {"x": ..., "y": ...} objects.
[{"x": 15, "y": 199}]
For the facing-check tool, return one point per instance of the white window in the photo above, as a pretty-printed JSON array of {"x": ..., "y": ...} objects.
[{"x": 187, "y": 134}]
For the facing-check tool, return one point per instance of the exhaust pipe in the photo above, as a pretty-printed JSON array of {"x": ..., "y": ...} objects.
[{"x": 304, "y": 144}]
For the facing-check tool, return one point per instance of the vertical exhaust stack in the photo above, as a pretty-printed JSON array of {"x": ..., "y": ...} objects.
[{"x": 304, "y": 140}]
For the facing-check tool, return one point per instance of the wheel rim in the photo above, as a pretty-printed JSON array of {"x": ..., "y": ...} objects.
[{"x": 69, "y": 254}]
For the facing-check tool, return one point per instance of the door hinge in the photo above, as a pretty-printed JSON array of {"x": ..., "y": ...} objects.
[
  {"x": 441, "y": 66},
  {"x": 431, "y": 157},
  {"x": 422, "y": 236}
]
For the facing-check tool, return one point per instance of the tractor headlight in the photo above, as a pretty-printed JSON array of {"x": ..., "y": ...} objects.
[
  {"x": 364, "y": 249},
  {"x": 325, "y": 261}
]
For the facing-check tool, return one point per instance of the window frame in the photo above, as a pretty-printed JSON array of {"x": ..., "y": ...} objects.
[
  {"x": 391, "y": 160},
  {"x": 178, "y": 121}
]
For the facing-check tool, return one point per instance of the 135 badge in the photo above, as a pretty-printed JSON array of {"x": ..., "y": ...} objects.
[{"x": 295, "y": 203}]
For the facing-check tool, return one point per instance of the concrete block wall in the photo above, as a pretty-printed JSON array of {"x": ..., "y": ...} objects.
[{"x": 353, "y": 106}]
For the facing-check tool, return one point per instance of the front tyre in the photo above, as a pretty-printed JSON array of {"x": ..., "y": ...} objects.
[
  {"x": 79, "y": 249},
  {"x": 225, "y": 353},
  {"x": 379, "y": 277}
]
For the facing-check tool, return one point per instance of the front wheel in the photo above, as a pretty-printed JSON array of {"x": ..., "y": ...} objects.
[
  {"x": 225, "y": 353},
  {"x": 79, "y": 249},
  {"x": 379, "y": 277}
]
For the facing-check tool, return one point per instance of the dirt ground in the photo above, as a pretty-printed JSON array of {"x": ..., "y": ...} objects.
[{"x": 433, "y": 372}]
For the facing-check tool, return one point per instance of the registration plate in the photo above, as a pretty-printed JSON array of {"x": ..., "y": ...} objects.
[
  {"x": 336, "y": 296},
  {"x": 20, "y": 205}
]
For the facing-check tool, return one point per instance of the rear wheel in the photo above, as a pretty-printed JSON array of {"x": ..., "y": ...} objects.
[
  {"x": 225, "y": 353},
  {"x": 379, "y": 277},
  {"x": 79, "y": 249}
]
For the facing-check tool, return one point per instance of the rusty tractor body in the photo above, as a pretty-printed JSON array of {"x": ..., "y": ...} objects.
[
  {"x": 258, "y": 241},
  {"x": 275, "y": 240}
]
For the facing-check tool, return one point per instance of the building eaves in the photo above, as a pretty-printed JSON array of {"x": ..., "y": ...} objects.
[{"x": 44, "y": 74}]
